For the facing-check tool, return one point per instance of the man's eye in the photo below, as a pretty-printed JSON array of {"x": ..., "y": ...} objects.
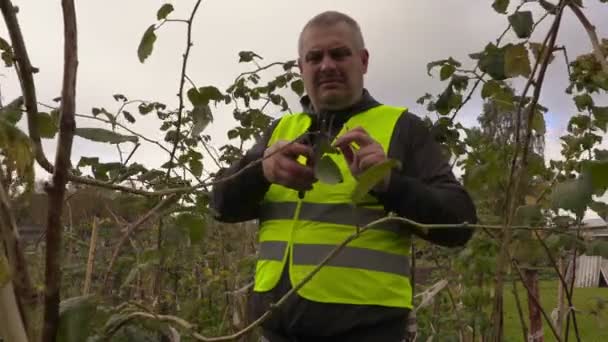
[
  {"x": 314, "y": 57},
  {"x": 339, "y": 54}
]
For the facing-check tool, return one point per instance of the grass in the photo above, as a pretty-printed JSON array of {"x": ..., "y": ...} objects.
[{"x": 592, "y": 328}]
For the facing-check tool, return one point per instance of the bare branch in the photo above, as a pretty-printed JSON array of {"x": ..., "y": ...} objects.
[
  {"x": 91, "y": 257},
  {"x": 56, "y": 191},
  {"x": 131, "y": 228},
  {"x": 9, "y": 239},
  {"x": 181, "y": 86},
  {"x": 590, "y": 28},
  {"x": 536, "y": 302},
  {"x": 25, "y": 72},
  {"x": 561, "y": 278}
]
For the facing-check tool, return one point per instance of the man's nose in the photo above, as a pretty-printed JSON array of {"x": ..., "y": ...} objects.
[{"x": 328, "y": 63}]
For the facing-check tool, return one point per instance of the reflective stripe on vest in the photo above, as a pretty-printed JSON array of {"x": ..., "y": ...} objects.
[
  {"x": 354, "y": 257},
  {"x": 344, "y": 214}
]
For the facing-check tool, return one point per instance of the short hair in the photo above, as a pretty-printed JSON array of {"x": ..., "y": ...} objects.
[{"x": 331, "y": 18}]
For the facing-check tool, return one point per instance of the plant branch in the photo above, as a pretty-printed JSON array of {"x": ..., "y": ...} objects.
[
  {"x": 536, "y": 302},
  {"x": 131, "y": 228},
  {"x": 56, "y": 191},
  {"x": 181, "y": 86},
  {"x": 25, "y": 72},
  {"x": 257, "y": 70},
  {"x": 517, "y": 169},
  {"x": 562, "y": 279},
  {"x": 9, "y": 239},
  {"x": 597, "y": 48}
]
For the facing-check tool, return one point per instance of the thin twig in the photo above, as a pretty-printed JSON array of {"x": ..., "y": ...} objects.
[
  {"x": 562, "y": 279},
  {"x": 56, "y": 191},
  {"x": 25, "y": 72},
  {"x": 536, "y": 302},
  {"x": 181, "y": 86},
  {"x": 257, "y": 70},
  {"x": 590, "y": 28},
  {"x": 132, "y": 228}
]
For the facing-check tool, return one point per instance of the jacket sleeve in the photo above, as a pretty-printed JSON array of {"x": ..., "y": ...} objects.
[
  {"x": 425, "y": 189},
  {"x": 237, "y": 198}
]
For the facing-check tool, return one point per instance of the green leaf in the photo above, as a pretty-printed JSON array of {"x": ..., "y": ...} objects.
[
  {"x": 7, "y": 53},
  {"x": 583, "y": 101},
  {"x": 164, "y": 11},
  {"x": 16, "y": 147},
  {"x": 196, "y": 167},
  {"x": 492, "y": 62},
  {"x": 145, "y": 108},
  {"x": 298, "y": 87},
  {"x": 538, "y": 124},
  {"x": 500, "y": 6},
  {"x": 600, "y": 208},
  {"x": 536, "y": 47},
  {"x": 490, "y": 88},
  {"x": 201, "y": 117},
  {"x": 75, "y": 318},
  {"x": 247, "y": 56},
  {"x": 371, "y": 177},
  {"x": 598, "y": 172},
  {"x": 46, "y": 125},
  {"x": 128, "y": 116},
  {"x": 442, "y": 105},
  {"x": 194, "y": 224},
  {"x": 119, "y": 97},
  {"x": 327, "y": 171},
  {"x": 528, "y": 215},
  {"x": 446, "y": 71},
  {"x": 147, "y": 44},
  {"x": 598, "y": 247},
  {"x": 600, "y": 154},
  {"x": 202, "y": 96},
  {"x": 104, "y": 135},
  {"x": 12, "y": 112},
  {"x": 601, "y": 117},
  {"x": 450, "y": 61},
  {"x": 522, "y": 23},
  {"x": 517, "y": 62},
  {"x": 573, "y": 195}
]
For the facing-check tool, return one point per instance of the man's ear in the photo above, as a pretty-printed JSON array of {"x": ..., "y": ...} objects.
[
  {"x": 300, "y": 64},
  {"x": 364, "y": 59}
]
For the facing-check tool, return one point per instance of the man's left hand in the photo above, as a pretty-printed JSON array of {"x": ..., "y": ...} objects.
[{"x": 368, "y": 153}]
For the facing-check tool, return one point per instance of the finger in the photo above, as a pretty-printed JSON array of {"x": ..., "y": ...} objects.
[
  {"x": 297, "y": 149},
  {"x": 294, "y": 169},
  {"x": 370, "y": 149},
  {"x": 359, "y": 136},
  {"x": 297, "y": 183},
  {"x": 370, "y": 160},
  {"x": 348, "y": 153}
]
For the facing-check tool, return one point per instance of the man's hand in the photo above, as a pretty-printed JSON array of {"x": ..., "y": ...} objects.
[
  {"x": 280, "y": 165},
  {"x": 368, "y": 153}
]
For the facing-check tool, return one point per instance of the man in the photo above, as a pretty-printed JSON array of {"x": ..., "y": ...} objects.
[{"x": 364, "y": 293}]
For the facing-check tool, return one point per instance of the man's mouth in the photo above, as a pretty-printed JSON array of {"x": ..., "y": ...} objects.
[{"x": 330, "y": 83}]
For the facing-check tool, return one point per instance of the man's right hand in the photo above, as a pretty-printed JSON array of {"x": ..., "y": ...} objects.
[{"x": 281, "y": 167}]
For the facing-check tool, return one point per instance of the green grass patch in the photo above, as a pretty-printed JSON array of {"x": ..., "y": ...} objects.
[{"x": 593, "y": 327}]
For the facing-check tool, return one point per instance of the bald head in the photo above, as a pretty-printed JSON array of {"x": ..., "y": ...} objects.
[{"x": 332, "y": 18}]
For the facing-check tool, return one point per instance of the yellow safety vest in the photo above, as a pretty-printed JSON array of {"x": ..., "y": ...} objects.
[{"x": 372, "y": 269}]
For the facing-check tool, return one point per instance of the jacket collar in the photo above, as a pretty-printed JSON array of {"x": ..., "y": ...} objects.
[{"x": 366, "y": 102}]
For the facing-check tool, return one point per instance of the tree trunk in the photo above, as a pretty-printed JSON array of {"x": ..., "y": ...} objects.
[{"x": 536, "y": 321}]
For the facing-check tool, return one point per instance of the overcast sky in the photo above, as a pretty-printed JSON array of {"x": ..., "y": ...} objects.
[{"x": 402, "y": 37}]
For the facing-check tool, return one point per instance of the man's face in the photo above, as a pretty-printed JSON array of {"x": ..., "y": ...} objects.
[{"x": 332, "y": 66}]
